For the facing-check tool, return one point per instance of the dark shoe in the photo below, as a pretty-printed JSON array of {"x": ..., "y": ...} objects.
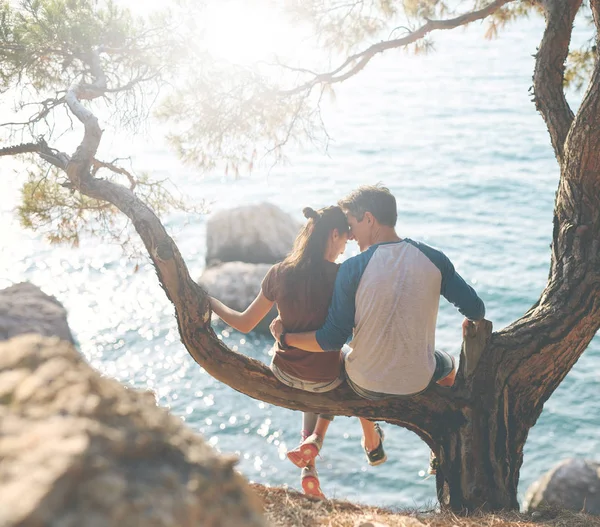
[
  {"x": 433, "y": 464},
  {"x": 377, "y": 456}
]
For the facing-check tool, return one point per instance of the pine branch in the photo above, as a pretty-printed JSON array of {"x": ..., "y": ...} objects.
[{"x": 355, "y": 63}]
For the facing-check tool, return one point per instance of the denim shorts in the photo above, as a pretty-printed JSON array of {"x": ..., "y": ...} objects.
[
  {"x": 444, "y": 364},
  {"x": 306, "y": 386}
]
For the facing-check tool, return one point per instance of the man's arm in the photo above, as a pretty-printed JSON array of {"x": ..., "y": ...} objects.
[
  {"x": 340, "y": 317},
  {"x": 305, "y": 341},
  {"x": 461, "y": 294},
  {"x": 454, "y": 288}
]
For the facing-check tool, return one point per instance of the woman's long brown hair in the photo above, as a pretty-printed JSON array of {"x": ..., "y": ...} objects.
[{"x": 304, "y": 268}]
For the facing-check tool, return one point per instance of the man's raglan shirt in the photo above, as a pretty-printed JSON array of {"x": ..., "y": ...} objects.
[{"x": 389, "y": 295}]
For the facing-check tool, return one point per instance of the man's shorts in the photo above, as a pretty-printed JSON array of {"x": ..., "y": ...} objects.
[{"x": 444, "y": 364}]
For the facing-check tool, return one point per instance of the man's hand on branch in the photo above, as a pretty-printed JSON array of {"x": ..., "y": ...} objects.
[
  {"x": 466, "y": 328},
  {"x": 470, "y": 327}
]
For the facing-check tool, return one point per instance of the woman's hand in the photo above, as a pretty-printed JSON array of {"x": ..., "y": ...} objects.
[{"x": 276, "y": 328}]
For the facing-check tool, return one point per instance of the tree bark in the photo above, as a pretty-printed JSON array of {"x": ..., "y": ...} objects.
[
  {"x": 548, "y": 76},
  {"x": 478, "y": 453},
  {"x": 480, "y": 467}
]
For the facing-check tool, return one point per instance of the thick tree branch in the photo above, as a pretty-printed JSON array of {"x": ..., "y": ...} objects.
[
  {"x": 80, "y": 163},
  {"x": 548, "y": 77},
  {"x": 23, "y": 148},
  {"x": 54, "y": 157},
  {"x": 355, "y": 63}
]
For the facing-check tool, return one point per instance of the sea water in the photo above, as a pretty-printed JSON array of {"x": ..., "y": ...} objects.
[{"x": 456, "y": 138}]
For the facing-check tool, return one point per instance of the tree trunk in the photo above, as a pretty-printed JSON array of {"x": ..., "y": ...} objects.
[
  {"x": 480, "y": 450},
  {"x": 479, "y": 463},
  {"x": 505, "y": 382}
]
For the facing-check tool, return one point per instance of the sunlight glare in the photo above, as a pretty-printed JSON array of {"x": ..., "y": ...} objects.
[{"x": 246, "y": 32}]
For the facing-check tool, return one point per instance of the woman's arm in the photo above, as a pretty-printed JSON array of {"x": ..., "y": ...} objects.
[{"x": 246, "y": 321}]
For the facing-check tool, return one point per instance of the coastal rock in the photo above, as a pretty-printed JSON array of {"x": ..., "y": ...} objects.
[
  {"x": 253, "y": 234},
  {"x": 81, "y": 449},
  {"x": 25, "y": 308},
  {"x": 236, "y": 284},
  {"x": 573, "y": 484}
]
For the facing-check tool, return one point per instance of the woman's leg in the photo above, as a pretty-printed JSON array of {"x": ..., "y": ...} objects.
[
  {"x": 322, "y": 425},
  {"x": 309, "y": 423},
  {"x": 305, "y": 453},
  {"x": 309, "y": 477},
  {"x": 315, "y": 424}
]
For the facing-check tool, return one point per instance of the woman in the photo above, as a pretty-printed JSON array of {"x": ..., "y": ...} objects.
[{"x": 302, "y": 286}]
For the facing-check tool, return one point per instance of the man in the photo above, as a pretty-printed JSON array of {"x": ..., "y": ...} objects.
[{"x": 387, "y": 299}]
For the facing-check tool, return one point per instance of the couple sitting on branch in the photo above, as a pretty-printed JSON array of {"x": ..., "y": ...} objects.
[{"x": 385, "y": 299}]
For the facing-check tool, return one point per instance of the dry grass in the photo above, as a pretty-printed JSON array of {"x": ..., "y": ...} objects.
[{"x": 288, "y": 508}]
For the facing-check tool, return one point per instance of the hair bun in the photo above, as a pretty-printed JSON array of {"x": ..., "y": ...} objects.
[{"x": 310, "y": 213}]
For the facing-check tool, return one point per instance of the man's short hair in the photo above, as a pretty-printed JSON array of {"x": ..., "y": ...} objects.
[{"x": 376, "y": 199}]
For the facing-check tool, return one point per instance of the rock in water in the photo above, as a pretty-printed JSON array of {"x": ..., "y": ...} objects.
[
  {"x": 252, "y": 234},
  {"x": 573, "y": 484},
  {"x": 24, "y": 308},
  {"x": 236, "y": 284},
  {"x": 78, "y": 449}
]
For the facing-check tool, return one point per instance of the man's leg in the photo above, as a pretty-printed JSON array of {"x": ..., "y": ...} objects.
[
  {"x": 371, "y": 439},
  {"x": 373, "y": 442},
  {"x": 449, "y": 379},
  {"x": 445, "y": 369}
]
